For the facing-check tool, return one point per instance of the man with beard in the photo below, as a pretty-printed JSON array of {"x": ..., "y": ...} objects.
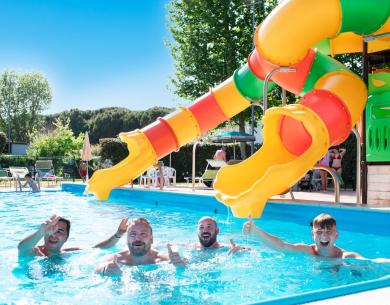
[
  {"x": 139, "y": 252},
  {"x": 55, "y": 232},
  {"x": 324, "y": 233},
  {"x": 207, "y": 235}
]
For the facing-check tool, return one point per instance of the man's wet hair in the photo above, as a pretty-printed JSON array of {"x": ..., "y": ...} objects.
[
  {"x": 28, "y": 175},
  {"x": 143, "y": 221},
  {"x": 323, "y": 221},
  {"x": 67, "y": 222}
]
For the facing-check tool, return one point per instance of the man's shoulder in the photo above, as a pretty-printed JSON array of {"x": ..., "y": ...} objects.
[{"x": 71, "y": 249}]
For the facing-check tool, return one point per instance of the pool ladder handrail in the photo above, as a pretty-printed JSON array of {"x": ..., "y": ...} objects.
[{"x": 335, "y": 178}]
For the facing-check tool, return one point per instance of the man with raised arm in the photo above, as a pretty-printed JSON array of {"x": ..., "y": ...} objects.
[
  {"x": 324, "y": 233},
  {"x": 207, "y": 234},
  {"x": 139, "y": 250},
  {"x": 55, "y": 232}
]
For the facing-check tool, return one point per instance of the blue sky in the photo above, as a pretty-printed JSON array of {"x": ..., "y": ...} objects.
[{"x": 95, "y": 53}]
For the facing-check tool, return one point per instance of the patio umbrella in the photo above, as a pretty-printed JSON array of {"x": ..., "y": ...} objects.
[
  {"x": 86, "y": 154},
  {"x": 233, "y": 137}
]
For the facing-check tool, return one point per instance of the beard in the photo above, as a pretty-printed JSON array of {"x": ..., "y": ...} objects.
[
  {"x": 139, "y": 248},
  {"x": 207, "y": 239}
]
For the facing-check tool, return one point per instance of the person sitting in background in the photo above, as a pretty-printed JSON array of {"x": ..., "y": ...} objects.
[
  {"x": 336, "y": 156},
  {"x": 220, "y": 154},
  {"x": 55, "y": 232},
  {"x": 33, "y": 185}
]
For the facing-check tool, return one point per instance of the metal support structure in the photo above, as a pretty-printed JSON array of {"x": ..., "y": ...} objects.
[
  {"x": 252, "y": 127},
  {"x": 266, "y": 80},
  {"x": 336, "y": 180},
  {"x": 284, "y": 97},
  {"x": 363, "y": 158},
  {"x": 193, "y": 164},
  {"x": 358, "y": 169}
]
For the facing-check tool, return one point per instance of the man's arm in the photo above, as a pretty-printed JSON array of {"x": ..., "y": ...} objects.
[
  {"x": 26, "y": 246},
  {"x": 109, "y": 267},
  {"x": 112, "y": 241},
  {"x": 273, "y": 241}
]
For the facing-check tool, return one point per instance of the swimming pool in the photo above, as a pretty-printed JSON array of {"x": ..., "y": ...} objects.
[{"x": 210, "y": 278}]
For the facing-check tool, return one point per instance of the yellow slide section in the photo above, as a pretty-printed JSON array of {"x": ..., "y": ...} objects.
[
  {"x": 246, "y": 186},
  {"x": 140, "y": 158}
]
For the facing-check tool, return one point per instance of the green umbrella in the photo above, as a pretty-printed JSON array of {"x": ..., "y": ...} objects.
[{"x": 233, "y": 137}]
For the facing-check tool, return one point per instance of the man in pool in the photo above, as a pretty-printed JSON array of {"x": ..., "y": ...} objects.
[
  {"x": 139, "y": 252},
  {"x": 207, "y": 234},
  {"x": 324, "y": 233},
  {"x": 55, "y": 232}
]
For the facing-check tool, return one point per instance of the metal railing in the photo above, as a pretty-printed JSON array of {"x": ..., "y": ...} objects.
[{"x": 335, "y": 178}]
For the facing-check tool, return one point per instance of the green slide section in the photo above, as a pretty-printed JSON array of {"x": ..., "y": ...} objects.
[
  {"x": 379, "y": 83},
  {"x": 248, "y": 84},
  {"x": 375, "y": 14},
  {"x": 322, "y": 65},
  {"x": 378, "y": 118}
]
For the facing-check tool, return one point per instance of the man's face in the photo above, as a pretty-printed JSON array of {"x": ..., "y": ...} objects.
[
  {"x": 207, "y": 232},
  {"x": 55, "y": 241},
  {"x": 324, "y": 237},
  {"x": 139, "y": 239}
]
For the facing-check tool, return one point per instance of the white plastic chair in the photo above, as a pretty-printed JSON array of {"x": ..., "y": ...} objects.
[
  {"x": 169, "y": 173},
  {"x": 149, "y": 177}
]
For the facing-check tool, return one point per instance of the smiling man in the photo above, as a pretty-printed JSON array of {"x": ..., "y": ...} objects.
[
  {"x": 324, "y": 233},
  {"x": 139, "y": 250},
  {"x": 55, "y": 232},
  {"x": 207, "y": 234}
]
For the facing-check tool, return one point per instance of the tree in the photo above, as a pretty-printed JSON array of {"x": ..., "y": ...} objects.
[
  {"x": 23, "y": 97},
  {"x": 60, "y": 142},
  {"x": 211, "y": 39},
  {"x": 3, "y": 141},
  {"x": 8, "y": 101}
]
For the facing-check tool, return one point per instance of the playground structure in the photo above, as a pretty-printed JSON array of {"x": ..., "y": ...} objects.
[{"x": 295, "y": 136}]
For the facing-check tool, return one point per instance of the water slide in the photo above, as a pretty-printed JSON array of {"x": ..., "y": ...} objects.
[{"x": 295, "y": 136}]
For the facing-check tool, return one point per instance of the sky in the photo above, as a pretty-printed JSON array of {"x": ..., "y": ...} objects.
[{"x": 94, "y": 53}]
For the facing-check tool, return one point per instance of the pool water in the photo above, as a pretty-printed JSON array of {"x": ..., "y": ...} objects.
[{"x": 210, "y": 277}]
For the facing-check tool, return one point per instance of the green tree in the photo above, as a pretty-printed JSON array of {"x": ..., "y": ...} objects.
[
  {"x": 59, "y": 142},
  {"x": 23, "y": 97},
  {"x": 211, "y": 39},
  {"x": 8, "y": 100},
  {"x": 3, "y": 141}
]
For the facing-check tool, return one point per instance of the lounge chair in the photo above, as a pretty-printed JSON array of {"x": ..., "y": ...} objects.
[
  {"x": 5, "y": 178},
  {"x": 45, "y": 171},
  {"x": 210, "y": 172},
  {"x": 18, "y": 173}
]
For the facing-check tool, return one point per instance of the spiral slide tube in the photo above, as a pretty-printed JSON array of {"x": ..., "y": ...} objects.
[
  {"x": 328, "y": 89},
  {"x": 296, "y": 136}
]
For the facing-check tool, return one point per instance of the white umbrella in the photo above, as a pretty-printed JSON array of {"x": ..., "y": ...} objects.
[{"x": 86, "y": 154}]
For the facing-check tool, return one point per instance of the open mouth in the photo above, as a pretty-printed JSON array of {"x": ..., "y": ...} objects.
[
  {"x": 324, "y": 243},
  {"x": 206, "y": 235},
  {"x": 138, "y": 244},
  {"x": 53, "y": 241}
]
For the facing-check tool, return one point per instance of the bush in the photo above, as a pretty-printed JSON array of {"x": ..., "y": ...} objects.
[
  {"x": 3, "y": 141},
  {"x": 113, "y": 149},
  {"x": 60, "y": 142}
]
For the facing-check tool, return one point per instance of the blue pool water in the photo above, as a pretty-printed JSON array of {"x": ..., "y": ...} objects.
[{"x": 209, "y": 278}]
